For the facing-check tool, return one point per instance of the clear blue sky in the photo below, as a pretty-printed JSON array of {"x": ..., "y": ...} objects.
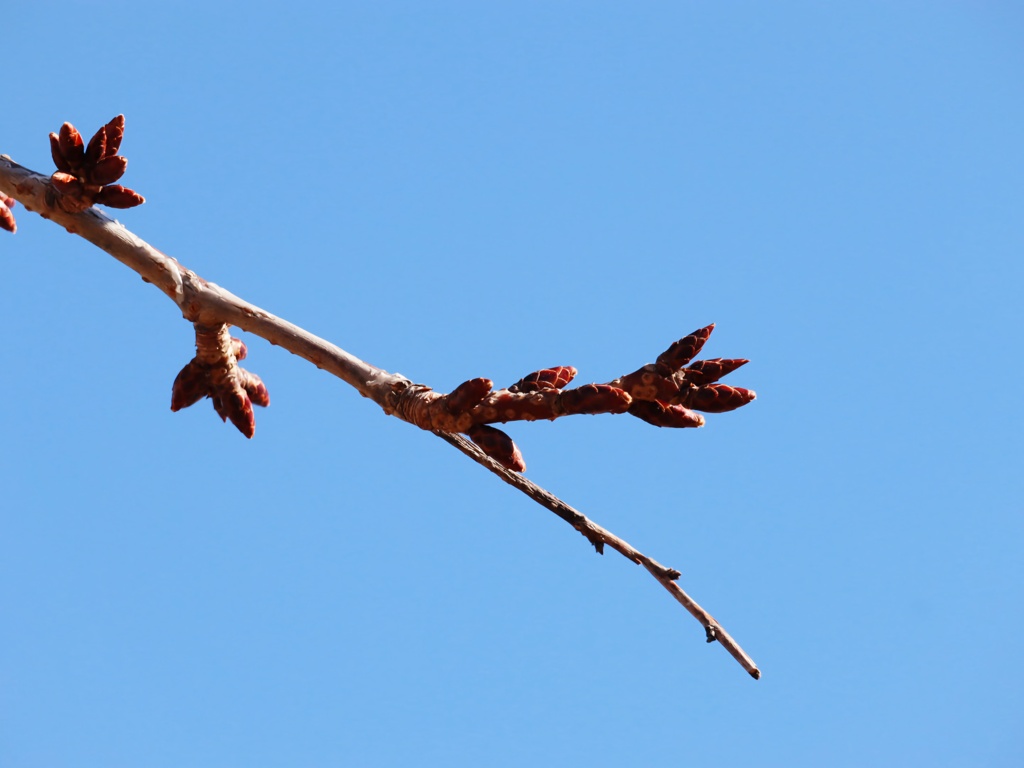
[{"x": 452, "y": 190}]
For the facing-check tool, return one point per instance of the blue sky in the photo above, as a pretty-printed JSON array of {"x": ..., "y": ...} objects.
[{"x": 450, "y": 191}]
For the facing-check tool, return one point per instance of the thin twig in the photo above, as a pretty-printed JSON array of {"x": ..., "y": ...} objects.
[
  {"x": 205, "y": 303},
  {"x": 599, "y": 537}
]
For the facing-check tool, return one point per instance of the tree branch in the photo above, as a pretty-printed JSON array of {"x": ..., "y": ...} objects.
[{"x": 658, "y": 393}]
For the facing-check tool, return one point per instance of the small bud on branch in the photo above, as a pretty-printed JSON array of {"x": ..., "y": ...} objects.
[
  {"x": 214, "y": 372},
  {"x": 86, "y": 175},
  {"x": 6, "y": 215}
]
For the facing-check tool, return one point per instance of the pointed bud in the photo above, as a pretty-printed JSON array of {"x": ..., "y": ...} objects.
[
  {"x": 114, "y": 134},
  {"x": 498, "y": 446},
  {"x": 718, "y": 398},
  {"x": 58, "y": 157},
  {"x": 684, "y": 350},
  {"x": 190, "y": 386},
  {"x": 116, "y": 196},
  {"x": 97, "y": 147},
  {"x": 466, "y": 395},
  {"x": 239, "y": 349},
  {"x": 548, "y": 378},
  {"x": 710, "y": 371},
  {"x": 661, "y": 415},
  {"x": 254, "y": 387},
  {"x": 108, "y": 170},
  {"x": 71, "y": 145},
  {"x": 234, "y": 404}
]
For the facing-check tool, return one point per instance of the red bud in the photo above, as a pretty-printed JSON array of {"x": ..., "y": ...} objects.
[
  {"x": 58, "y": 157},
  {"x": 71, "y": 145},
  {"x": 97, "y": 148},
  {"x": 661, "y": 415},
  {"x": 498, "y": 446},
  {"x": 710, "y": 371},
  {"x": 255, "y": 388},
  {"x": 718, "y": 398},
  {"x": 114, "y": 134},
  {"x": 116, "y": 196},
  {"x": 684, "y": 350},
  {"x": 238, "y": 348},
  {"x": 108, "y": 170},
  {"x": 190, "y": 386},
  {"x": 467, "y": 394},
  {"x": 548, "y": 378}
]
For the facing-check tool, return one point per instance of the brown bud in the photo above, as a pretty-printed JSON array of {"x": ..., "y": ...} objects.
[
  {"x": 239, "y": 349},
  {"x": 97, "y": 147},
  {"x": 108, "y": 170},
  {"x": 254, "y": 387},
  {"x": 114, "y": 134},
  {"x": 717, "y": 398},
  {"x": 7, "y": 221},
  {"x": 233, "y": 403},
  {"x": 116, "y": 196},
  {"x": 498, "y": 446},
  {"x": 684, "y": 350},
  {"x": 466, "y": 395},
  {"x": 710, "y": 371},
  {"x": 594, "y": 398},
  {"x": 58, "y": 157},
  {"x": 661, "y": 415},
  {"x": 71, "y": 145},
  {"x": 548, "y": 378},
  {"x": 190, "y": 386}
]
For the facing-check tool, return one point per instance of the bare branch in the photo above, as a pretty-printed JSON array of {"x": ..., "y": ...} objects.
[
  {"x": 599, "y": 537},
  {"x": 658, "y": 393}
]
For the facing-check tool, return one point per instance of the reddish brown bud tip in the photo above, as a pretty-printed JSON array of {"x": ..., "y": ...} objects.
[
  {"x": 71, "y": 145},
  {"x": 114, "y": 133},
  {"x": 710, "y": 371},
  {"x": 684, "y": 350},
  {"x": 548, "y": 378},
  {"x": 661, "y": 415},
  {"x": 108, "y": 170},
  {"x": 498, "y": 446},
  {"x": 254, "y": 387},
  {"x": 467, "y": 394},
  {"x": 190, "y": 386},
  {"x": 594, "y": 398},
  {"x": 719, "y": 398},
  {"x": 234, "y": 404},
  {"x": 239, "y": 349},
  {"x": 7, "y": 221},
  {"x": 55, "y": 153},
  {"x": 97, "y": 148},
  {"x": 116, "y": 196}
]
